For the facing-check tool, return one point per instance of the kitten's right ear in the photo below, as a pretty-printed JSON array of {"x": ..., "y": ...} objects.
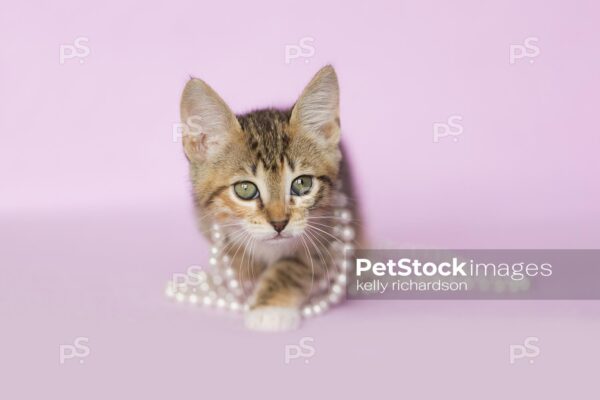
[
  {"x": 316, "y": 113},
  {"x": 208, "y": 121}
]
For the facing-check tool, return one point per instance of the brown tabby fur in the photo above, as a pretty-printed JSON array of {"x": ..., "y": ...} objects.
[{"x": 269, "y": 147}]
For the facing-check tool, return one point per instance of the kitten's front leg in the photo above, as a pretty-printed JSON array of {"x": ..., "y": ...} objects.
[{"x": 279, "y": 293}]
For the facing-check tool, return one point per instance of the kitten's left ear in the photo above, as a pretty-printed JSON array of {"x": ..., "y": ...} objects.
[
  {"x": 210, "y": 122},
  {"x": 317, "y": 112}
]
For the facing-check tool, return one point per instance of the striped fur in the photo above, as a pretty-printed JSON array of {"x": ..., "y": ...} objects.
[{"x": 270, "y": 148}]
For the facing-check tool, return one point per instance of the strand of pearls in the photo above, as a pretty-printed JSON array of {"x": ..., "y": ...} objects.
[{"x": 218, "y": 286}]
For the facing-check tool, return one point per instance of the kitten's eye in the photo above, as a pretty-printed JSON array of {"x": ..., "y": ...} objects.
[
  {"x": 301, "y": 185},
  {"x": 246, "y": 190}
]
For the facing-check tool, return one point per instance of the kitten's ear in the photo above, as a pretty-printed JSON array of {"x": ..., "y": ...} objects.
[
  {"x": 208, "y": 121},
  {"x": 317, "y": 110}
]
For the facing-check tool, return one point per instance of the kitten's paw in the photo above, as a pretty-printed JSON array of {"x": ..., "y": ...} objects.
[{"x": 273, "y": 319}]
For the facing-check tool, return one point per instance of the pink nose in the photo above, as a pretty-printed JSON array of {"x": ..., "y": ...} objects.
[{"x": 279, "y": 225}]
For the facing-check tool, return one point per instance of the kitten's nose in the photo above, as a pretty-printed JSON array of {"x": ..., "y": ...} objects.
[{"x": 279, "y": 225}]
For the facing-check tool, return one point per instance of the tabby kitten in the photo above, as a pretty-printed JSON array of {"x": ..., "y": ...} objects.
[{"x": 268, "y": 178}]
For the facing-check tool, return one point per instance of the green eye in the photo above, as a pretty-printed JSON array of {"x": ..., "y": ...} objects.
[
  {"x": 246, "y": 190},
  {"x": 301, "y": 185}
]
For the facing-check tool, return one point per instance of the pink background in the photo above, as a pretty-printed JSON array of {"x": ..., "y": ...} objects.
[{"x": 95, "y": 213}]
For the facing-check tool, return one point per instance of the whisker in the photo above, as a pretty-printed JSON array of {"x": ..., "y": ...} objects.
[
  {"x": 207, "y": 215},
  {"x": 244, "y": 255},
  {"x": 233, "y": 224},
  {"x": 317, "y": 238},
  {"x": 322, "y": 259},
  {"x": 240, "y": 270},
  {"x": 233, "y": 237},
  {"x": 321, "y": 230},
  {"x": 326, "y": 240},
  {"x": 246, "y": 244},
  {"x": 312, "y": 266},
  {"x": 355, "y": 221},
  {"x": 252, "y": 253},
  {"x": 320, "y": 224}
]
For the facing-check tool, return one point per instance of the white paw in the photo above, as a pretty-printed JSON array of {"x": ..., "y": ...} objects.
[{"x": 273, "y": 319}]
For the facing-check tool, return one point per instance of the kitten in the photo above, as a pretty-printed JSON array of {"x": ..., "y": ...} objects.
[{"x": 268, "y": 178}]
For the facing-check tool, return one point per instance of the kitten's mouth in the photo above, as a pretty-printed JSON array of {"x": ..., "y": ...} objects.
[{"x": 278, "y": 237}]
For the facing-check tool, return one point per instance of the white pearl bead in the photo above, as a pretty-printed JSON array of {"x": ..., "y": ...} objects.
[
  {"x": 317, "y": 309},
  {"x": 348, "y": 233},
  {"x": 201, "y": 276},
  {"x": 183, "y": 288},
  {"x": 499, "y": 285},
  {"x": 233, "y": 284},
  {"x": 345, "y": 216},
  {"x": 337, "y": 289},
  {"x": 513, "y": 286},
  {"x": 334, "y": 298},
  {"x": 324, "y": 305},
  {"x": 348, "y": 249},
  {"x": 344, "y": 264},
  {"x": 226, "y": 292},
  {"x": 217, "y": 280},
  {"x": 484, "y": 284},
  {"x": 229, "y": 272}
]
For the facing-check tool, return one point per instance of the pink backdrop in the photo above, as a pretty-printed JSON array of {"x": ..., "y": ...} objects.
[{"x": 95, "y": 210}]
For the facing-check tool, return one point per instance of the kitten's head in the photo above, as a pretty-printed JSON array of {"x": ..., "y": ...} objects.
[{"x": 263, "y": 174}]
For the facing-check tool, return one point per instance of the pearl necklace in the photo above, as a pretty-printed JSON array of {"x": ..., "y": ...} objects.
[{"x": 218, "y": 286}]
